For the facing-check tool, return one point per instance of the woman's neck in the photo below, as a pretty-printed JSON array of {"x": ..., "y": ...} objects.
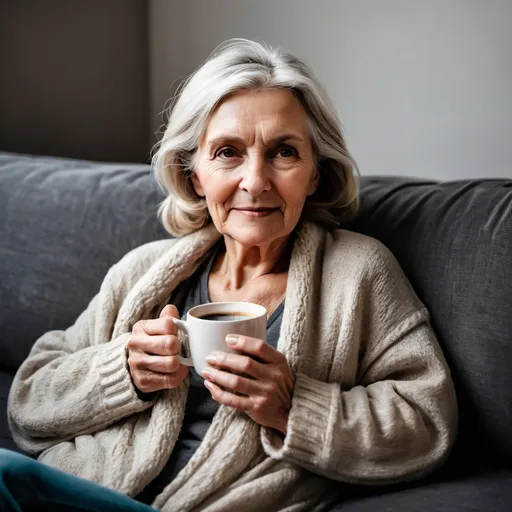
[{"x": 241, "y": 264}]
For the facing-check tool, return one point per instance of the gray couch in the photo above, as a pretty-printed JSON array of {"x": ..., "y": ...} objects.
[{"x": 63, "y": 223}]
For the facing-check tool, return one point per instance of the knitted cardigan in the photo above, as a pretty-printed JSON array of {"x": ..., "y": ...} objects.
[{"x": 373, "y": 401}]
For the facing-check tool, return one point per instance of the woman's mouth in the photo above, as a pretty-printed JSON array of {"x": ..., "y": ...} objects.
[{"x": 255, "y": 212}]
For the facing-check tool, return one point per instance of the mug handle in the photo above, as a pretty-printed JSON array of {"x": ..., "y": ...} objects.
[{"x": 182, "y": 326}]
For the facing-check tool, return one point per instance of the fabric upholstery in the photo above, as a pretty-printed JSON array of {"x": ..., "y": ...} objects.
[
  {"x": 489, "y": 491},
  {"x": 63, "y": 223},
  {"x": 5, "y": 436},
  {"x": 454, "y": 242}
]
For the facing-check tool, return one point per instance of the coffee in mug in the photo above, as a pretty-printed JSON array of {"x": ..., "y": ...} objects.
[
  {"x": 228, "y": 315},
  {"x": 208, "y": 325}
]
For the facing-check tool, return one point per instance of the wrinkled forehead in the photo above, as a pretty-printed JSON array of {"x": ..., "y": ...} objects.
[{"x": 273, "y": 112}]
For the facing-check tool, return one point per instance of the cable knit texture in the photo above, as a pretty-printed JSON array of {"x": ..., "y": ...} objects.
[{"x": 373, "y": 401}]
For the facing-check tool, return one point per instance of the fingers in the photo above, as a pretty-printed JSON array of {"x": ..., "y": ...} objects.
[
  {"x": 162, "y": 325},
  {"x": 242, "y": 403},
  {"x": 234, "y": 382},
  {"x": 169, "y": 310},
  {"x": 153, "y": 350},
  {"x": 263, "y": 390},
  {"x": 236, "y": 363},
  {"x": 162, "y": 345},
  {"x": 139, "y": 361},
  {"x": 255, "y": 348},
  {"x": 149, "y": 382}
]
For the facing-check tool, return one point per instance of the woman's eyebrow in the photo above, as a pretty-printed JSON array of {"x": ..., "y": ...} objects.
[
  {"x": 286, "y": 138},
  {"x": 226, "y": 139}
]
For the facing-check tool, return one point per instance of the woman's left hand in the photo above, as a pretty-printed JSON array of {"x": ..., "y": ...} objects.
[{"x": 261, "y": 376}]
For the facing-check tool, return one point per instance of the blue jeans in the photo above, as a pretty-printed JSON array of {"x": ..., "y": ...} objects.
[{"x": 27, "y": 485}]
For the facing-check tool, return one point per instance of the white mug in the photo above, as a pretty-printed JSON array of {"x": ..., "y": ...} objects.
[{"x": 207, "y": 329}]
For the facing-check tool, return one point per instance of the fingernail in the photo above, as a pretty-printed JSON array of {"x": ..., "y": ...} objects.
[
  {"x": 232, "y": 339},
  {"x": 211, "y": 358},
  {"x": 207, "y": 384},
  {"x": 207, "y": 372}
]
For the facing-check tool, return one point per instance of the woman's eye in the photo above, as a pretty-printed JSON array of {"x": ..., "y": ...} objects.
[
  {"x": 226, "y": 153},
  {"x": 287, "y": 152}
]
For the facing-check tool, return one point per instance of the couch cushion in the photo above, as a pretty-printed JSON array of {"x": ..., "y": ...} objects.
[
  {"x": 454, "y": 242},
  {"x": 63, "y": 223},
  {"x": 5, "y": 435},
  {"x": 490, "y": 490}
]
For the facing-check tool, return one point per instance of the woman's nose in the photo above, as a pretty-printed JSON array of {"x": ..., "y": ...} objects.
[{"x": 255, "y": 176}]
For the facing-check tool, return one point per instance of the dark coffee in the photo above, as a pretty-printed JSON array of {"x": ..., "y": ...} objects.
[{"x": 228, "y": 316}]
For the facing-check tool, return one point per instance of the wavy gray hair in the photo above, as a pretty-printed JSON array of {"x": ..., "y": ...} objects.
[{"x": 236, "y": 65}]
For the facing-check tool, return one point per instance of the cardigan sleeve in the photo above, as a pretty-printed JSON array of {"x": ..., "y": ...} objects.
[
  {"x": 399, "y": 420},
  {"x": 73, "y": 383}
]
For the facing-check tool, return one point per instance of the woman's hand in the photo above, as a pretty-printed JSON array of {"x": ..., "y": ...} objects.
[
  {"x": 261, "y": 376},
  {"x": 153, "y": 351}
]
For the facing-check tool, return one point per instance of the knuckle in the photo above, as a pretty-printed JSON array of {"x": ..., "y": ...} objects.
[
  {"x": 139, "y": 326},
  {"x": 234, "y": 381},
  {"x": 267, "y": 394},
  {"x": 278, "y": 375},
  {"x": 134, "y": 340},
  {"x": 247, "y": 364},
  {"x": 260, "y": 345},
  {"x": 257, "y": 407},
  {"x": 174, "y": 344},
  {"x": 144, "y": 381},
  {"x": 173, "y": 363},
  {"x": 132, "y": 361},
  {"x": 167, "y": 345},
  {"x": 169, "y": 326},
  {"x": 165, "y": 365}
]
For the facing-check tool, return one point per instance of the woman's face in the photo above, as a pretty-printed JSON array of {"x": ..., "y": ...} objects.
[{"x": 255, "y": 166}]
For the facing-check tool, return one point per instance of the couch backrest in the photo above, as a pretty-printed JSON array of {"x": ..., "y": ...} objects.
[
  {"x": 63, "y": 223},
  {"x": 454, "y": 242}
]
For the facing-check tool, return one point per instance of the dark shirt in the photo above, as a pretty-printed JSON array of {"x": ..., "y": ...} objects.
[{"x": 200, "y": 407}]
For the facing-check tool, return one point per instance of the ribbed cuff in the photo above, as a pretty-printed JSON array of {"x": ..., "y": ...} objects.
[
  {"x": 306, "y": 439},
  {"x": 117, "y": 389}
]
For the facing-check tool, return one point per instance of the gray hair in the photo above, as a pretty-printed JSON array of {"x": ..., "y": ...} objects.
[{"x": 236, "y": 65}]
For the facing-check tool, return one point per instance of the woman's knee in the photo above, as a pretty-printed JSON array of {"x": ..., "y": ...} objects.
[{"x": 14, "y": 462}]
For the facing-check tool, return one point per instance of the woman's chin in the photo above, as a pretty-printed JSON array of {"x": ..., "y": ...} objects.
[{"x": 253, "y": 235}]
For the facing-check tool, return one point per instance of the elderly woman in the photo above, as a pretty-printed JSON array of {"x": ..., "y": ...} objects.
[{"x": 351, "y": 385}]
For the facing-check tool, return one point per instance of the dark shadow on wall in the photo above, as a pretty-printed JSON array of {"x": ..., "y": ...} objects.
[{"x": 74, "y": 79}]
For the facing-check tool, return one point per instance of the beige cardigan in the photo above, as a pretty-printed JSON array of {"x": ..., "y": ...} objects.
[{"x": 373, "y": 401}]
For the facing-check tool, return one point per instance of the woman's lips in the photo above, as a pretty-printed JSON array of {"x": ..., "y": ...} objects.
[{"x": 258, "y": 212}]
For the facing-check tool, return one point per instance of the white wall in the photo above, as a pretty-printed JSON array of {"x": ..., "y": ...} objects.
[{"x": 423, "y": 87}]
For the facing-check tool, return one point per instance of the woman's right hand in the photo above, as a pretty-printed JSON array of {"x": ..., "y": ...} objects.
[{"x": 153, "y": 353}]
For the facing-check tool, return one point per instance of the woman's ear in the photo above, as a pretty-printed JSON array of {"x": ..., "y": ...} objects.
[
  {"x": 313, "y": 185},
  {"x": 197, "y": 185}
]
